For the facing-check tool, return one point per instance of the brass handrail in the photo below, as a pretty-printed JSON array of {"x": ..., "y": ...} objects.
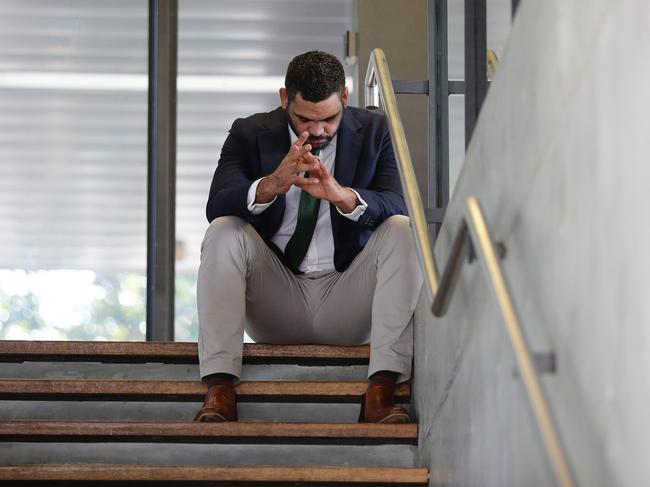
[
  {"x": 491, "y": 264},
  {"x": 379, "y": 82},
  {"x": 492, "y": 64},
  {"x": 473, "y": 229}
]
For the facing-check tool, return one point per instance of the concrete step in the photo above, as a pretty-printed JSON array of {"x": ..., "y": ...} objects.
[
  {"x": 197, "y": 475},
  {"x": 191, "y": 432},
  {"x": 160, "y": 390},
  {"x": 188, "y": 443},
  {"x": 119, "y": 411}
]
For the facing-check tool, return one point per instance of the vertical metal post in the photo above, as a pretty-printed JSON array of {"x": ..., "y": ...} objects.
[
  {"x": 475, "y": 62},
  {"x": 438, "y": 168},
  {"x": 161, "y": 181}
]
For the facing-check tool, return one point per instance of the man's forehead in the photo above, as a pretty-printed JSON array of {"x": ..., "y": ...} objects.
[{"x": 320, "y": 110}]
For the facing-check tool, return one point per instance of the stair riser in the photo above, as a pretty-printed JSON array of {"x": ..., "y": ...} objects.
[
  {"x": 175, "y": 411},
  {"x": 208, "y": 454}
]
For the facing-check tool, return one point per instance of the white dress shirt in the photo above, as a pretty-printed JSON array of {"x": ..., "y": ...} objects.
[{"x": 320, "y": 255}]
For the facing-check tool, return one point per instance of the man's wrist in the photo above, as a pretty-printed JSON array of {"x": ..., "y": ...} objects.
[
  {"x": 265, "y": 192},
  {"x": 348, "y": 202}
]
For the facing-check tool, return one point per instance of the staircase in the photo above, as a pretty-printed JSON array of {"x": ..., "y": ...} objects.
[{"x": 82, "y": 413}]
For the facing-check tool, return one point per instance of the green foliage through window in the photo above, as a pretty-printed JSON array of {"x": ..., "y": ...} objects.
[{"x": 85, "y": 305}]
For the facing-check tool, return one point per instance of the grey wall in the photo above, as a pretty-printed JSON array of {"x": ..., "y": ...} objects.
[
  {"x": 559, "y": 162},
  {"x": 400, "y": 29}
]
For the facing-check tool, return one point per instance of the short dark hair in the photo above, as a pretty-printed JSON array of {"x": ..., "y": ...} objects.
[{"x": 315, "y": 75}]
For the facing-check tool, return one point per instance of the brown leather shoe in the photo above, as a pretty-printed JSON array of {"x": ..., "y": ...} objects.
[
  {"x": 378, "y": 406},
  {"x": 220, "y": 405}
]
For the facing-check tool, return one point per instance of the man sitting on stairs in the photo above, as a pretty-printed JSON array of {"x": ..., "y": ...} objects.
[{"x": 308, "y": 242}]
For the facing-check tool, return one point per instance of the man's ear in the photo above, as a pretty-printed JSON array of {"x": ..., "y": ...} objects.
[
  {"x": 345, "y": 95},
  {"x": 284, "y": 98}
]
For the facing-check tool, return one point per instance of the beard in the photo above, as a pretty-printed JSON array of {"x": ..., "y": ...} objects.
[
  {"x": 320, "y": 142},
  {"x": 316, "y": 142}
]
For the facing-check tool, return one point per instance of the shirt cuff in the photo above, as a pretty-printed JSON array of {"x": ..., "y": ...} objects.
[
  {"x": 256, "y": 208},
  {"x": 355, "y": 214}
]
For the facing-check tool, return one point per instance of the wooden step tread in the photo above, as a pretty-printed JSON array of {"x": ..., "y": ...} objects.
[
  {"x": 175, "y": 352},
  {"x": 190, "y": 431},
  {"x": 162, "y": 390},
  {"x": 253, "y": 474}
]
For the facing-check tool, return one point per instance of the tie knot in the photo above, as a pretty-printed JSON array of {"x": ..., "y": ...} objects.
[{"x": 315, "y": 151}]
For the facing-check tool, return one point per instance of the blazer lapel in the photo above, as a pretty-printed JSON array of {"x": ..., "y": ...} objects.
[
  {"x": 273, "y": 143},
  {"x": 348, "y": 148}
]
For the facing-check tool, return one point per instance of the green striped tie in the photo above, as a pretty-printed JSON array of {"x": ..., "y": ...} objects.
[{"x": 307, "y": 216}]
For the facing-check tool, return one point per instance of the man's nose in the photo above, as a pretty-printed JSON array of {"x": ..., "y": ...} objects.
[{"x": 316, "y": 129}]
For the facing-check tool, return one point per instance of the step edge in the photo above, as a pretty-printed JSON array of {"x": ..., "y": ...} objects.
[
  {"x": 386, "y": 475},
  {"x": 167, "y": 388},
  {"x": 172, "y": 429},
  {"x": 95, "y": 351}
]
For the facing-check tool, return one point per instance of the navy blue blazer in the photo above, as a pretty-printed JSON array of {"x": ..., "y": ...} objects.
[{"x": 365, "y": 162}]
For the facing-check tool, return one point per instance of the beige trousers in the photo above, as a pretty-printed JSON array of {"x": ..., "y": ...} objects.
[{"x": 242, "y": 285}]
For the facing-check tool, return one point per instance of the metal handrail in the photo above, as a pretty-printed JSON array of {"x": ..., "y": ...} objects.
[
  {"x": 492, "y": 64},
  {"x": 379, "y": 82},
  {"x": 379, "y": 90}
]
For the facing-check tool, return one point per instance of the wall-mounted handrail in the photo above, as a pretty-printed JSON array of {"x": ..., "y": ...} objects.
[
  {"x": 473, "y": 229},
  {"x": 491, "y": 264},
  {"x": 492, "y": 64}
]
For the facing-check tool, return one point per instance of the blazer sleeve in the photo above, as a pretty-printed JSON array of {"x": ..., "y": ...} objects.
[
  {"x": 384, "y": 194},
  {"x": 232, "y": 178}
]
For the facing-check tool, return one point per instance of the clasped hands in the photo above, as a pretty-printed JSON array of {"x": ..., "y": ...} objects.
[{"x": 320, "y": 183}]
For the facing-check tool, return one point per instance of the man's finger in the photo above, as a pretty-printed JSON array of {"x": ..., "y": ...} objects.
[
  {"x": 297, "y": 147},
  {"x": 319, "y": 170},
  {"x": 295, "y": 154},
  {"x": 302, "y": 139},
  {"x": 303, "y": 183},
  {"x": 306, "y": 167},
  {"x": 311, "y": 157}
]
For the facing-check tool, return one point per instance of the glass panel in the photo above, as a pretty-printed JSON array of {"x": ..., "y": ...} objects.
[
  {"x": 456, "y": 138},
  {"x": 456, "y": 39},
  {"x": 498, "y": 28},
  {"x": 232, "y": 59},
  {"x": 456, "y": 66},
  {"x": 73, "y": 165}
]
